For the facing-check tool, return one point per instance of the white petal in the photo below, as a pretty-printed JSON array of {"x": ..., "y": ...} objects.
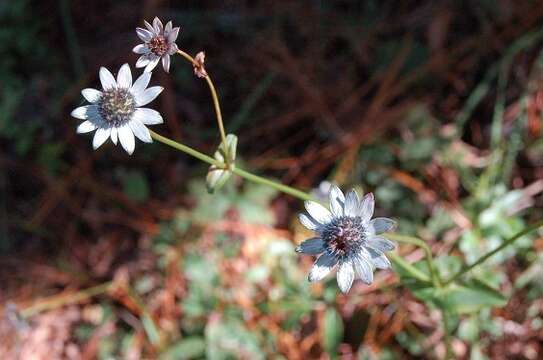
[
  {"x": 381, "y": 244},
  {"x": 337, "y": 201},
  {"x": 114, "y": 135},
  {"x": 124, "y": 77},
  {"x": 168, "y": 28},
  {"x": 321, "y": 267},
  {"x": 144, "y": 35},
  {"x": 311, "y": 246},
  {"x": 173, "y": 49},
  {"x": 107, "y": 80},
  {"x": 148, "y": 116},
  {"x": 85, "y": 127},
  {"x": 141, "y": 49},
  {"x": 91, "y": 95},
  {"x": 85, "y": 112},
  {"x": 351, "y": 204},
  {"x": 318, "y": 212},
  {"x": 345, "y": 276},
  {"x": 142, "y": 61},
  {"x": 148, "y": 26},
  {"x": 126, "y": 137},
  {"x": 145, "y": 97},
  {"x": 363, "y": 269},
  {"x": 140, "y": 84},
  {"x": 140, "y": 131},
  {"x": 157, "y": 25},
  {"x": 308, "y": 222},
  {"x": 382, "y": 224},
  {"x": 152, "y": 64},
  {"x": 100, "y": 137},
  {"x": 366, "y": 207},
  {"x": 172, "y": 35},
  {"x": 379, "y": 260},
  {"x": 166, "y": 62}
]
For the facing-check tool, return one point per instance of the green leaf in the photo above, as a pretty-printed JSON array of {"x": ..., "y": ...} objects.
[
  {"x": 469, "y": 329},
  {"x": 229, "y": 339},
  {"x": 217, "y": 176},
  {"x": 150, "y": 328},
  {"x": 333, "y": 330},
  {"x": 463, "y": 298},
  {"x": 447, "y": 265},
  {"x": 189, "y": 348}
]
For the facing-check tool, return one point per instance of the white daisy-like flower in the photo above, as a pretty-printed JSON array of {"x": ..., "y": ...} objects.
[
  {"x": 116, "y": 111},
  {"x": 347, "y": 236},
  {"x": 158, "y": 43}
]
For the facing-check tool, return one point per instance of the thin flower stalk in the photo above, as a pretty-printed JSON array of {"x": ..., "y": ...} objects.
[
  {"x": 240, "y": 172},
  {"x": 213, "y": 91}
]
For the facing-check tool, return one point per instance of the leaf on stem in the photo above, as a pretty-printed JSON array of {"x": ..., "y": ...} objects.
[
  {"x": 462, "y": 298},
  {"x": 226, "y": 154}
]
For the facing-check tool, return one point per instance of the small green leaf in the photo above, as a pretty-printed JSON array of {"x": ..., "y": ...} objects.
[
  {"x": 469, "y": 329},
  {"x": 447, "y": 265},
  {"x": 150, "y": 328},
  {"x": 333, "y": 330},
  {"x": 218, "y": 176},
  {"x": 189, "y": 348}
]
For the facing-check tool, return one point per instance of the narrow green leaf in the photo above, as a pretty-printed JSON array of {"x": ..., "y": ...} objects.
[
  {"x": 150, "y": 328},
  {"x": 333, "y": 330},
  {"x": 189, "y": 348}
]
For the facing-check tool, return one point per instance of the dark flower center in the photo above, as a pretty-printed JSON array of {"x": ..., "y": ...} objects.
[
  {"x": 116, "y": 106},
  {"x": 159, "y": 45},
  {"x": 344, "y": 236}
]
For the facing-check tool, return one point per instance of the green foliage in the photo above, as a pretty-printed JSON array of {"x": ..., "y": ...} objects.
[
  {"x": 229, "y": 339},
  {"x": 251, "y": 203}
]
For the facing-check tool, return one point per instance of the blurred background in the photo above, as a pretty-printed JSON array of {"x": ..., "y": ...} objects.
[{"x": 435, "y": 106}]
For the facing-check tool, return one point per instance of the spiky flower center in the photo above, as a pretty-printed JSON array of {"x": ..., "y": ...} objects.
[
  {"x": 344, "y": 236},
  {"x": 116, "y": 106},
  {"x": 159, "y": 45}
]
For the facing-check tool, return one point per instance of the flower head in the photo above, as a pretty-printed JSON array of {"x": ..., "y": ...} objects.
[
  {"x": 347, "y": 236},
  {"x": 158, "y": 43},
  {"x": 116, "y": 111},
  {"x": 199, "y": 69}
]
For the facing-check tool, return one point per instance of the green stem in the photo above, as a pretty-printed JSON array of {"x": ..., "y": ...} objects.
[
  {"x": 66, "y": 299},
  {"x": 217, "y": 108},
  {"x": 215, "y": 98},
  {"x": 448, "y": 345},
  {"x": 434, "y": 274},
  {"x": 278, "y": 186},
  {"x": 240, "y": 172},
  {"x": 186, "y": 149},
  {"x": 488, "y": 255},
  {"x": 416, "y": 273}
]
